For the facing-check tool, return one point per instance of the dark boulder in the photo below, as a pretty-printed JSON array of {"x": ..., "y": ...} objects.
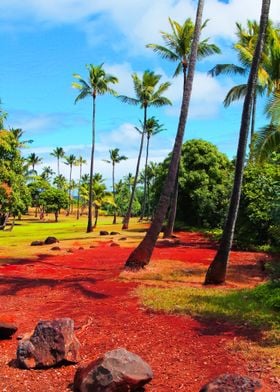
[
  {"x": 37, "y": 243},
  {"x": 114, "y": 233},
  {"x": 7, "y": 330},
  {"x": 55, "y": 248},
  {"x": 51, "y": 343},
  {"x": 50, "y": 240},
  {"x": 117, "y": 371},
  {"x": 232, "y": 383},
  {"x": 103, "y": 232}
]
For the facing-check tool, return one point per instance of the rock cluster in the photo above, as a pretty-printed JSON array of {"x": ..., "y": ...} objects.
[{"x": 232, "y": 383}]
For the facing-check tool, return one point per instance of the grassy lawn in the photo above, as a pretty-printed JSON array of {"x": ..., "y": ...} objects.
[{"x": 68, "y": 230}]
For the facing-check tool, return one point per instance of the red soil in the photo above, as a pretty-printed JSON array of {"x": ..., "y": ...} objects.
[{"x": 184, "y": 353}]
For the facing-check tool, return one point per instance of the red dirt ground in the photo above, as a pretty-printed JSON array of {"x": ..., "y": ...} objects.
[{"x": 184, "y": 353}]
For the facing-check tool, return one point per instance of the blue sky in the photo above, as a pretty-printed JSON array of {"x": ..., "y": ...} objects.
[{"x": 43, "y": 42}]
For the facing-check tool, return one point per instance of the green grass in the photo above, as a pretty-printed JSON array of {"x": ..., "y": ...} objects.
[{"x": 258, "y": 307}]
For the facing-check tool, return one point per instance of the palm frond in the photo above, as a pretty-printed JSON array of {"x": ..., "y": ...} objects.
[
  {"x": 268, "y": 141},
  {"x": 129, "y": 100},
  {"x": 227, "y": 69}
]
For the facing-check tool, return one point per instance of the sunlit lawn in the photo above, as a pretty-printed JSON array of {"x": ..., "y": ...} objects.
[{"x": 68, "y": 230}]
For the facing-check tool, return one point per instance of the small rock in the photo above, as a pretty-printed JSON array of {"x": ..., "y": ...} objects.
[
  {"x": 70, "y": 250},
  {"x": 122, "y": 238},
  {"x": 7, "y": 330},
  {"x": 37, "y": 243},
  {"x": 51, "y": 343},
  {"x": 114, "y": 233},
  {"x": 55, "y": 248},
  {"x": 50, "y": 240},
  {"x": 118, "y": 370},
  {"x": 103, "y": 232},
  {"x": 232, "y": 383},
  {"x": 114, "y": 244},
  {"x": 81, "y": 248},
  {"x": 92, "y": 246}
]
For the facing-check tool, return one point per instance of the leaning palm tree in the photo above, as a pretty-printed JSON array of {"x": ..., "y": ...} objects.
[
  {"x": 79, "y": 162},
  {"x": 58, "y": 153},
  {"x": 148, "y": 93},
  {"x": 216, "y": 273},
  {"x": 98, "y": 83},
  {"x": 178, "y": 48},
  {"x": 70, "y": 161},
  {"x": 153, "y": 127},
  {"x": 142, "y": 254},
  {"x": 115, "y": 157},
  {"x": 33, "y": 160}
]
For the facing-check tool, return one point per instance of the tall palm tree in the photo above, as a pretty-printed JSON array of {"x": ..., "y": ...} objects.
[
  {"x": 216, "y": 273},
  {"x": 178, "y": 49},
  {"x": 98, "y": 83},
  {"x": 142, "y": 254},
  {"x": 115, "y": 157},
  {"x": 70, "y": 161},
  {"x": 153, "y": 127},
  {"x": 268, "y": 68},
  {"x": 33, "y": 160},
  {"x": 79, "y": 162},
  {"x": 58, "y": 153},
  {"x": 148, "y": 93},
  {"x": 61, "y": 182},
  {"x": 267, "y": 141}
]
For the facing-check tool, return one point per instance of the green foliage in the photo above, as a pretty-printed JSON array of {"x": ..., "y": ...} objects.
[
  {"x": 204, "y": 184},
  {"x": 14, "y": 194},
  {"x": 53, "y": 200},
  {"x": 259, "y": 214}
]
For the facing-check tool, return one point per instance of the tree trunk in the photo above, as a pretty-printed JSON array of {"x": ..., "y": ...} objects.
[
  {"x": 252, "y": 131},
  {"x": 142, "y": 254},
  {"x": 78, "y": 201},
  {"x": 173, "y": 209},
  {"x": 128, "y": 214},
  {"x": 145, "y": 180},
  {"x": 114, "y": 194},
  {"x": 58, "y": 166},
  {"x": 216, "y": 273},
  {"x": 96, "y": 213},
  {"x": 90, "y": 200},
  {"x": 56, "y": 216}
]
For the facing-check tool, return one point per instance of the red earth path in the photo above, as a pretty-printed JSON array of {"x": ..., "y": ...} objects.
[{"x": 184, "y": 353}]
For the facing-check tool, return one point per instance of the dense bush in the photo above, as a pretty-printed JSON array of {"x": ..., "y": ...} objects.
[{"x": 259, "y": 214}]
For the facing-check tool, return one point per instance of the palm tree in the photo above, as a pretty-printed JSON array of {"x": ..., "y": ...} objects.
[
  {"x": 142, "y": 254},
  {"x": 267, "y": 142},
  {"x": 3, "y": 116},
  {"x": 17, "y": 132},
  {"x": 58, "y": 153},
  {"x": 115, "y": 157},
  {"x": 61, "y": 182},
  {"x": 148, "y": 93},
  {"x": 216, "y": 273},
  {"x": 70, "y": 161},
  {"x": 153, "y": 127},
  {"x": 178, "y": 49},
  {"x": 98, "y": 84},
  {"x": 79, "y": 162},
  {"x": 47, "y": 172},
  {"x": 33, "y": 160},
  {"x": 268, "y": 68}
]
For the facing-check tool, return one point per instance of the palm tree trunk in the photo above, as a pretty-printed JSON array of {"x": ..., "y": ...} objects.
[
  {"x": 114, "y": 195},
  {"x": 58, "y": 166},
  {"x": 78, "y": 201},
  {"x": 173, "y": 209},
  {"x": 128, "y": 214},
  {"x": 145, "y": 181},
  {"x": 142, "y": 254},
  {"x": 90, "y": 200},
  {"x": 252, "y": 131},
  {"x": 216, "y": 273},
  {"x": 69, "y": 193}
]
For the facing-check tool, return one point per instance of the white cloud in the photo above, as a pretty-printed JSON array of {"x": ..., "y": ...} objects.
[{"x": 139, "y": 21}]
